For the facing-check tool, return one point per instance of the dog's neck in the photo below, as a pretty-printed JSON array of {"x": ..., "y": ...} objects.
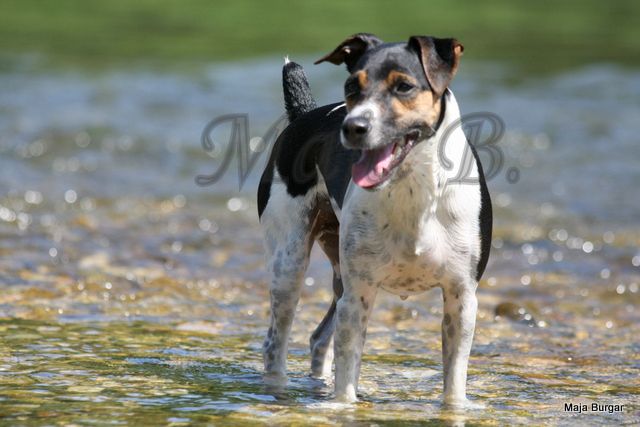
[
  {"x": 443, "y": 152},
  {"x": 422, "y": 178}
]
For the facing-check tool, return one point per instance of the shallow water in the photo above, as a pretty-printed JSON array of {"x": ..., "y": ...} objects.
[{"x": 131, "y": 295}]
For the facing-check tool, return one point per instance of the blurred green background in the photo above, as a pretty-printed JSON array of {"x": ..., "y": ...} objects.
[{"x": 539, "y": 35}]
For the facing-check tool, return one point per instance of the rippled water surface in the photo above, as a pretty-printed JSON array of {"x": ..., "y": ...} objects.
[{"x": 129, "y": 295}]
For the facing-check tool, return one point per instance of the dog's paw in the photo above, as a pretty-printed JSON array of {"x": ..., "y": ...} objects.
[
  {"x": 344, "y": 400},
  {"x": 345, "y": 393},
  {"x": 275, "y": 379},
  {"x": 462, "y": 403},
  {"x": 346, "y": 396}
]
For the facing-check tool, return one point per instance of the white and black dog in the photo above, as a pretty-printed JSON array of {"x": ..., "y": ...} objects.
[{"x": 364, "y": 180}]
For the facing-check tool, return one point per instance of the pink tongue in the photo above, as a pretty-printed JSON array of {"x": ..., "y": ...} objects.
[{"x": 368, "y": 171}]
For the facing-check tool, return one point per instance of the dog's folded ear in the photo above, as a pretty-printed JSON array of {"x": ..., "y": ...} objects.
[
  {"x": 350, "y": 50},
  {"x": 439, "y": 59}
]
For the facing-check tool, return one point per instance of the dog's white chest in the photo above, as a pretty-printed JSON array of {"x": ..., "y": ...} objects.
[
  {"x": 416, "y": 259},
  {"x": 400, "y": 245}
]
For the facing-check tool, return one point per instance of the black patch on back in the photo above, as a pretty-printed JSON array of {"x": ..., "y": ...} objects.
[{"x": 312, "y": 139}]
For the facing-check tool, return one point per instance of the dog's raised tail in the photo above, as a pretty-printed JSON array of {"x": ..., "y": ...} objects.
[{"x": 297, "y": 93}]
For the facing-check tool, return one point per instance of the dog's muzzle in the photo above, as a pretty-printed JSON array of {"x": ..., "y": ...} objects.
[{"x": 355, "y": 130}]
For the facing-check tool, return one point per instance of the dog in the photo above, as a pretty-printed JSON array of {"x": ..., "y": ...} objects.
[{"x": 364, "y": 179}]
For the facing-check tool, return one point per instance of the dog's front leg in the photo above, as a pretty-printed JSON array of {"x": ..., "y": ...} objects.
[
  {"x": 458, "y": 325},
  {"x": 353, "y": 312}
]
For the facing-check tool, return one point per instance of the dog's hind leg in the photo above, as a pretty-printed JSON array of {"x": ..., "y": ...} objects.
[
  {"x": 321, "y": 341},
  {"x": 287, "y": 227}
]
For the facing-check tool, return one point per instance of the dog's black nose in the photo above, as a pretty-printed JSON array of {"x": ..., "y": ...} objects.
[{"x": 355, "y": 127}]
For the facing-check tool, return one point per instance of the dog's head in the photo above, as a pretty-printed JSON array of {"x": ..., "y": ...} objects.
[{"x": 393, "y": 98}]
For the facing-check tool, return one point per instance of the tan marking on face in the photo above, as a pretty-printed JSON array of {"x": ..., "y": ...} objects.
[
  {"x": 421, "y": 107},
  {"x": 351, "y": 102},
  {"x": 363, "y": 79},
  {"x": 394, "y": 77},
  {"x": 411, "y": 110}
]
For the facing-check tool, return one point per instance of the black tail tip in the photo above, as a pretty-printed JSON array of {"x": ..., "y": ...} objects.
[
  {"x": 290, "y": 65},
  {"x": 297, "y": 93}
]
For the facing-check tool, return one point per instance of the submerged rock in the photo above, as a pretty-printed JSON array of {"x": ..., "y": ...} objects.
[{"x": 516, "y": 313}]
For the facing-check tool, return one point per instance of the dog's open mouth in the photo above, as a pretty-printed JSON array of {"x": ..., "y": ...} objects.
[{"x": 376, "y": 166}]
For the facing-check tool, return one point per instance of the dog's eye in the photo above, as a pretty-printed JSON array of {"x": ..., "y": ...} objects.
[{"x": 404, "y": 87}]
